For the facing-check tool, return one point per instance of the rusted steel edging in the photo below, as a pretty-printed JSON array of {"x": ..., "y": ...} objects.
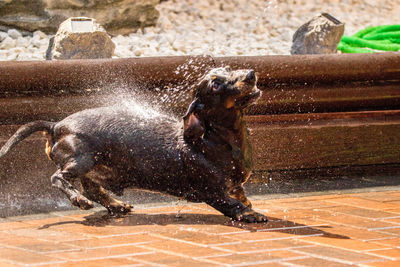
[
  {"x": 96, "y": 75},
  {"x": 321, "y": 69},
  {"x": 83, "y": 76}
]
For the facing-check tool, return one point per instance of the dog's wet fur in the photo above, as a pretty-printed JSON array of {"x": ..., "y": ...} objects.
[{"x": 205, "y": 158}]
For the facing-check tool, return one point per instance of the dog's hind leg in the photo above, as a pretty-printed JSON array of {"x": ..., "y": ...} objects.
[
  {"x": 95, "y": 192},
  {"x": 75, "y": 167}
]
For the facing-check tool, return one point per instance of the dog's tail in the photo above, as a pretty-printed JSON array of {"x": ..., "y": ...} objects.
[{"x": 25, "y": 131}]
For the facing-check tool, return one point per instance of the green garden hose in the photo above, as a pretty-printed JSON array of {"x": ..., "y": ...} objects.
[{"x": 372, "y": 39}]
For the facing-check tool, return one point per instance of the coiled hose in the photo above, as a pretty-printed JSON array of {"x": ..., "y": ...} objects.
[{"x": 372, "y": 40}]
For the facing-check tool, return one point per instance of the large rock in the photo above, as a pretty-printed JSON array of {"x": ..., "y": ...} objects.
[
  {"x": 78, "y": 38},
  {"x": 320, "y": 35},
  {"x": 116, "y": 16}
]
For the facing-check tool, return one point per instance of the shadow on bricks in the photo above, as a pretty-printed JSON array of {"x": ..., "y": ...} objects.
[{"x": 102, "y": 219}]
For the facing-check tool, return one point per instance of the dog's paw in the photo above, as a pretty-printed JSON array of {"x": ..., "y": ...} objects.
[
  {"x": 119, "y": 209},
  {"x": 81, "y": 202},
  {"x": 252, "y": 217}
]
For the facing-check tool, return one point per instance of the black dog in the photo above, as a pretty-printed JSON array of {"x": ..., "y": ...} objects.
[{"x": 207, "y": 159}]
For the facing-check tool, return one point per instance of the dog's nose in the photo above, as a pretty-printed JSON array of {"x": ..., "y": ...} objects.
[{"x": 251, "y": 76}]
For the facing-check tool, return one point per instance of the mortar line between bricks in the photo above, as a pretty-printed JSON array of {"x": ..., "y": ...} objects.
[
  {"x": 147, "y": 262},
  {"x": 227, "y": 244},
  {"x": 342, "y": 248},
  {"x": 131, "y": 265},
  {"x": 270, "y": 261},
  {"x": 283, "y": 238},
  {"x": 110, "y": 246},
  {"x": 112, "y": 256},
  {"x": 118, "y": 235},
  {"x": 37, "y": 264},
  {"x": 180, "y": 255},
  {"x": 358, "y": 216},
  {"x": 274, "y": 249},
  {"x": 344, "y": 224},
  {"x": 212, "y": 256},
  {"x": 384, "y": 228},
  {"x": 386, "y": 218},
  {"x": 208, "y": 260},
  {"x": 292, "y": 264},
  {"x": 364, "y": 252},
  {"x": 338, "y": 203},
  {"x": 186, "y": 242},
  {"x": 322, "y": 257},
  {"x": 42, "y": 252},
  {"x": 232, "y": 233},
  {"x": 264, "y": 250},
  {"x": 44, "y": 263},
  {"x": 387, "y": 233},
  {"x": 378, "y": 239},
  {"x": 380, "y": 256},
  {"x": 291, "y": 228}
]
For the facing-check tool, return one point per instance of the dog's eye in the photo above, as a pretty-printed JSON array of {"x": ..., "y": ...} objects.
[{"x": 215, "y": 85}]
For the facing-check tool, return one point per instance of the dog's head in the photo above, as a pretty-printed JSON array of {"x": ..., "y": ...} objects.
[{"x": 220, "y": 90}]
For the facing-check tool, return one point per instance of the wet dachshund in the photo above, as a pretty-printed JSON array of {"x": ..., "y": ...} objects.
[{"x": 205, "y": 158}]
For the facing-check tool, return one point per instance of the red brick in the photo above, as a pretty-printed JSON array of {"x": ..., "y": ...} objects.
[
  {"x": 392, "y": 242},
  {"x": 363, "y": 203},
  {"x": 182, "y": 249},
  {"x": 48, "y": 235},
  {"x": 317, "y": 262},
  {"x": 349, "y": 244},
  {"x": 13, "y": 225},
  {"x": 336, "y": 254},
  {"x": 392, "y": 253},
  {"x": 243, "y": 246},
  {"x": 196, "y": 237},
  {"x": 24, "y": 257},
  {"x": 353, "y": 233},
  {"x": 36, "y": 245},
  {"x": 101, "y": 253},
  {"x": 8, "y": 264},
  {"x": 385, "y": 264},
  {"x": 360, "y": 212},
  {"x": 113, "y": 241},
  {"x": 354, "y": 221},
  {"x": 100, "y": 263},
  {"x": 259, "y": 258},
  {"x": 170, "y": 260}
]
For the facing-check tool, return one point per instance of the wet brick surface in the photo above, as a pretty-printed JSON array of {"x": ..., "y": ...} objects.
[{"x": 328, "y": 230}]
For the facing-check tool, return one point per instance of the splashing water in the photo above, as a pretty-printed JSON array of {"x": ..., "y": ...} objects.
[{"x": 143, "y": 110}]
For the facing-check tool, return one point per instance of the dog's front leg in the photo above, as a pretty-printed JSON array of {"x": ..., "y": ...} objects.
[
  {"x": 238, "y": 193},
  {"x": 234, "y": 209}
]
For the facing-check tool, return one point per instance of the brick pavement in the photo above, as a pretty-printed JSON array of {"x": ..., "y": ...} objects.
[{"x": 326, "y": 230}]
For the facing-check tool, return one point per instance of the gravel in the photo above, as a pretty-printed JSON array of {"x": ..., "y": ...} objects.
[{"x": 221, "y": 27}]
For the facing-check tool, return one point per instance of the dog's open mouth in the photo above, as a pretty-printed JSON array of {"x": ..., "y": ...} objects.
[{"x": 248, "y": 99}]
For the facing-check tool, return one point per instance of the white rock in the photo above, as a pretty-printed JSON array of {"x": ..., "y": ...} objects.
[
  {"x": 12, "y": 56},
  {"x": 22, "y": 42},
  {"x": 138, "y": 52},
  {"x": 41, "y": 34},
  {"x": 81, "y": 38},
  {"x": 13, "y": 33},
  {"x": 3, "y": 35},
  {"x": 8, "y": 43}
]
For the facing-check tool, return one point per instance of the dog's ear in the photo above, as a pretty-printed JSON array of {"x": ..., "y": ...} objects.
[
  {"x": 201, "y": 88},
  {"x": 193, "y": 126}
]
